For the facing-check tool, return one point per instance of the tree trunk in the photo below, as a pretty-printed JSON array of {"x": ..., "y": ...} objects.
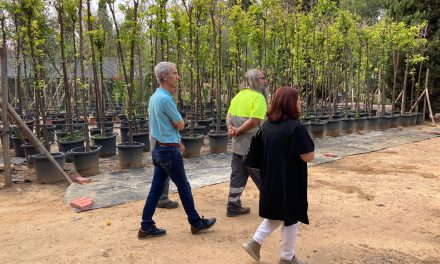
[
  {"x": 396, "y": 61},
  {"x": 18, "y": 70},
  {"x": 64, "y": 65},
  {"x": 130, "y": 87},
  {"x": 405, "y": 84},
  {"x": 110, "y": 4},
  {"x": 189, "y": 9},
  {"x": 94, "y": 68},
  {"x": 83, "y": 79},
  {"x": 75, "y": 76}
]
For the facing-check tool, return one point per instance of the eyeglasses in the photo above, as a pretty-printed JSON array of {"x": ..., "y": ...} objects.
[{"x": 262, "y": 78}]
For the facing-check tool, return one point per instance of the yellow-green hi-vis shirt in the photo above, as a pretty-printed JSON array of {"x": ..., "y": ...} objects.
[{"x": 247, "y": 103}]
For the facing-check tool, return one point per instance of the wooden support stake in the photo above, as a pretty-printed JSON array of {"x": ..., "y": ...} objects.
[
  {"x": 398, "y": 97},
  {"x": 417, "y": 101},
  {"x": 34, "y": 140},
  {"x": 5, "y": 121},
  {"x": 427, "y": 98}
]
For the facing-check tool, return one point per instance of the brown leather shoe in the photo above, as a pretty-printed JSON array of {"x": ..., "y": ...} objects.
[{"x": 253, "y": 249}]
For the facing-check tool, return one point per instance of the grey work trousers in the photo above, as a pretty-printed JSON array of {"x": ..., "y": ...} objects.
[
  {"x": 239, "y": 177},
  {"x": 166, "y": 189}
]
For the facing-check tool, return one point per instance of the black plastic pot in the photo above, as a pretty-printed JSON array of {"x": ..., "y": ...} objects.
[
  {"x": 218, "y": 143},
  {"x": 30, "y": 123},
  {"x": 420, "y": 118},
  {"x": 394, "y": 120},
  {"x": 29, "y": 150},
  {"x": 142, "y": 121},
  {"x": 318, "y": 128},
  {"x": 17, "y": 142},
  {"x": 59, "y": 123},
  {"x": 124, "y": 132},
  {"x": 109, "y": 117},
  {"x": 383, "y": 123},
  {"x": 97, "y": 131},
  {"x": 223, "y": 128},
  {"x": 413, "y": 119},
  {"x": 130, "y": 156},
  {"x": 332, "y": 129},
  {"x": 45, "y": 171},
  {"x": 371, "y": 123},
  {"x": 192, "y": 145},
  {"x": 67, "y": 146},
  {"x": 143, "y": 137},
  {"x": 308, "y": 125},
  {"x": 108, "y": 124},
  {"x": 205, "y": 122},
  {"x": 11, "y": 142},
  {"x": 347, "y": 126},
  {"x": 107, "y": 143},
  {"x": 359, "y": 124},
  {"x": 86, "y": 163},
  {"x": 405, "y": 120},
  {"x": 202, "y": 130}
]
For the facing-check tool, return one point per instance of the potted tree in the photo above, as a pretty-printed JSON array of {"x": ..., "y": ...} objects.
[
  {"x": 130, "y": 152},
  {"x": 85, "y": 158},
  {"x": 218, "y": 140},
  {"x": 192, "y": 142}
]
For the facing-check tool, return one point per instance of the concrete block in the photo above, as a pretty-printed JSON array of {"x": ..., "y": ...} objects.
[
  {"x": 76, "y": 177},
  {"x": 82, "y": 204}
]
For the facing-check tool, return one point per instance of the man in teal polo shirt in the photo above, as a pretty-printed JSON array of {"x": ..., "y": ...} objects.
[
  {"x": 165, "y": 122},
  {"x": 248, "y": 108}
]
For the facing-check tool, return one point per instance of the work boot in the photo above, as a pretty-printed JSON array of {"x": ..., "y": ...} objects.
[
  {"x": 239, "y": 211},
  {"x": 153, "y": 231},
  {"x": 204, "y": 224},
  {"x": 293, "y": 261},
  {"x": 167, "y": 204},
  {"x": 253, "y": 249}
]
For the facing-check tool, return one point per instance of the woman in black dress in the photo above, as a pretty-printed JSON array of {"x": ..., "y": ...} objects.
[{"x": 283, "y": 194}]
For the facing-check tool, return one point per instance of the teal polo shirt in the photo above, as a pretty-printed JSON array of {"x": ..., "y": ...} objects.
[{"x": 163, "y": 110}]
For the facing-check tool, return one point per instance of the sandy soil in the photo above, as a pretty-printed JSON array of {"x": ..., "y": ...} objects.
[{"x": 381, "y": 207}]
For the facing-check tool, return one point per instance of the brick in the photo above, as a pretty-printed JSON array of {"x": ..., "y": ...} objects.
[
  {"x": 82, "y": 204},
  {"x": 82, "y": 180},
  {"x": 330, "y": 155},
  {"x": 76, "y": 177}
]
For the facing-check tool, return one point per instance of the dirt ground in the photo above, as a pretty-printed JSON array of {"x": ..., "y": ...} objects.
[{"x": 381, "y": 207}]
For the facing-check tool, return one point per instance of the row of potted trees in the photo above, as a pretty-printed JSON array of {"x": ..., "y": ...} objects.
[
  {"x": 338, "y": 125},
  {"x": 71, "y": 145}
]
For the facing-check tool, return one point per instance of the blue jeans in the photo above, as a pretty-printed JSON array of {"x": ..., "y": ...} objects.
[{"x": 168, "y": 161}]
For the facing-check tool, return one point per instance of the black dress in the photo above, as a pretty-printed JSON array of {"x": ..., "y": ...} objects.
[{"x": 283, "y": 194}]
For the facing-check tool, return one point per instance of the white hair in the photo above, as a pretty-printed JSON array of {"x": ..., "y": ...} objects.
[
  {"x": 250, "y": 80},
  {"x": 162, "y": 68}
]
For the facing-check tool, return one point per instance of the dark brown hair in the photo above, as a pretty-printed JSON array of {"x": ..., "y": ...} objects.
[{"x": 284, "y": 104}]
